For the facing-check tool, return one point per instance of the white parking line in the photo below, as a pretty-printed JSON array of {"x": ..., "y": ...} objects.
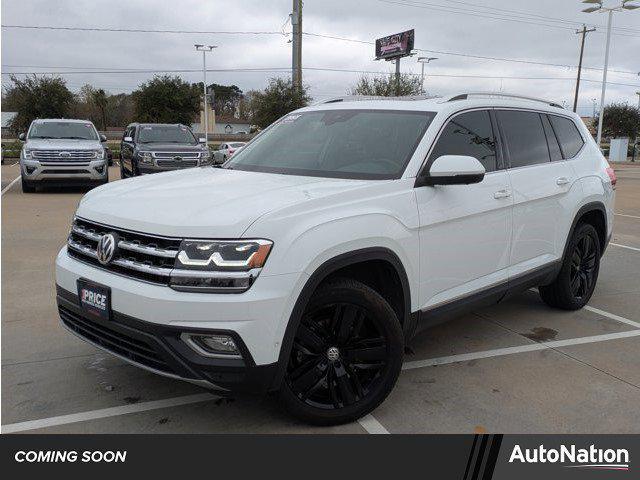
[
  {"x": 373, "y": 426},
  {"x": 612, "y": 316},
  {"x": 499, "y": 352},
  {"x": 5, "y": 189},
  {"x": 625, "y": 215},
  {"x": 107, "y": 412},
  {"x": 625, "y": 246}
]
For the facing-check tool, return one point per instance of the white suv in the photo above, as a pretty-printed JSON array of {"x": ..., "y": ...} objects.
[{"x": 307, "y": 262}]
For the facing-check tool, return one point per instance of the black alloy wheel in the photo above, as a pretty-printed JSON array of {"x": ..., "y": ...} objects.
[
  {"x": 346, "y": 355},
  {"x": 576, "y": 281},
  {"x": 583, "y": 267}
]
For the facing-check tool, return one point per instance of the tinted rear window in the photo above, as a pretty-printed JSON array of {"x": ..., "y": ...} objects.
[
  {"x": 554, "y": 147},
  {"x": 524, "y": 134},
  {"x": 570, "y": 139}
]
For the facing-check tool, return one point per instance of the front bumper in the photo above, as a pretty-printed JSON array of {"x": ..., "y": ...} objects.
[
  {"x": 256, "y": 319},
  {"x": 159, "y": 349},
  {"x": 92, "y": 171}
]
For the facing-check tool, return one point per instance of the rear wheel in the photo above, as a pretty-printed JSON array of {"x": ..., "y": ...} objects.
[
  {"x": 27, "y": 186},
  {"x": 346, "y": 356},
  {"x": 576, "y": 281}
]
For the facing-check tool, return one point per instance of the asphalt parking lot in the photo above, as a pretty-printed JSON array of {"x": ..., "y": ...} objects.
[{"x": 517, "y": 367}]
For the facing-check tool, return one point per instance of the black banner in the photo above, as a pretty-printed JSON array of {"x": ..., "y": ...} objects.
[{"x": 461, "y": 457}]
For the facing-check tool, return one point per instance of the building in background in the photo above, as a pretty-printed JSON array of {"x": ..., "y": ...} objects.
[
  {"x": 6, "y": 119},
  {"x": 231, "y": 125}
]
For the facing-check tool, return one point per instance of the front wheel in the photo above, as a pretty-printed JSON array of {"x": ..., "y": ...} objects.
[
  {"x": 346, "y": 356},
  {"x": 574, "y": 285}
]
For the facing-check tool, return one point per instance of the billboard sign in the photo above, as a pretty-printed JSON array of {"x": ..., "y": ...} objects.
[{"x": 395, "y": 46}]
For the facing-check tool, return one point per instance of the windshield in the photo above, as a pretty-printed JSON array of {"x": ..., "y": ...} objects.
[
  {"x": 71, "y": 130},
  {"x": 166, "y": 134},
  {"x": 236, "y": 145},
  {"x": 359, "y": 144}
]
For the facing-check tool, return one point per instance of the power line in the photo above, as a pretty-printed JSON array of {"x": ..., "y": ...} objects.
[
  {"x": 468, "y": 55},
  {"x": 482, "y": 14},
  {"x": 322, "y": 69},
  {"x": 141, "y": 30}
]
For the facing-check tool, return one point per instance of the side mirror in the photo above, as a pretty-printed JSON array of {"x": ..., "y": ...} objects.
[
  {"x": 103, "y": 138},
  {"x": 127, "y": 139},
  {"x": 453, "y": 170},
  {"x": 22, "y": 137},
  {"x": 202, "y": 140}
]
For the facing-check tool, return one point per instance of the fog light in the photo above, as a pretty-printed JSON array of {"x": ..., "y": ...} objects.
[{"x": 212, "y": 345}]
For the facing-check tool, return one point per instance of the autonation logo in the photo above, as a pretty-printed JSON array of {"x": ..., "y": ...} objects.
[{"x": 573, "y": 457}]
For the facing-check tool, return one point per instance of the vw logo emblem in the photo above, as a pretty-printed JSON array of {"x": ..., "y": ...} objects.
[
  {"x": 106, "y": 248},
  {"x": 64, "y": 154}
]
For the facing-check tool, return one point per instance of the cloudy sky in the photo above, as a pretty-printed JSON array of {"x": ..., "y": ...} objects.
[{"x": 537, "y": 33}]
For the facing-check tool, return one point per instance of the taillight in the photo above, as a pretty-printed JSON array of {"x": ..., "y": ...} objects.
[{"x": 612, "y": 177}]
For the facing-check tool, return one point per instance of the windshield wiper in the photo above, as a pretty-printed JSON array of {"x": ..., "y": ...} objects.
[
  {"x": 75, "y": 138},
  {"x": 44, "y": 137}
]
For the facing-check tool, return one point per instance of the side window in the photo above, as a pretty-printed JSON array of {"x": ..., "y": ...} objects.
[
  {"x": 525, "y": 138},
  {"x": 570, "y": 139},
  {"x": 469, "y": 134},
  {"x": 552, "y": 141}
]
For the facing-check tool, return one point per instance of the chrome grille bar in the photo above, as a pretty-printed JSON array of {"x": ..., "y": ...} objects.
[{"x": 125, "y": 245}]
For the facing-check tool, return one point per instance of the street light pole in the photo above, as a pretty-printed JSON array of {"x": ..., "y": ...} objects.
[
  {"x": 625, "y": 5},
  {"x": 204, "y": 49},
  {"x": 422, "y": 61}
]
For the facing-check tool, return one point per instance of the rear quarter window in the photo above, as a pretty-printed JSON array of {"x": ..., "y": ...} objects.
[{"x": 568, "y": 135}]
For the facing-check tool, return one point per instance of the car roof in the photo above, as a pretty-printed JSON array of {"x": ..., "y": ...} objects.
[
  {"x": 70, "y": 120},
  {"x": 136, "y": 124},
  {"x": 447, "y": 105}
]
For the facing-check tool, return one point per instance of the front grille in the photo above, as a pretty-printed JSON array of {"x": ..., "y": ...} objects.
[
  {"x": 171, "y": 155},
  {"x": 64, "y": 155},
  {"x": 65, "y": 172},
  {"x": 140, "y": 256},
  {"x": 115, "y": 341},
  {"x": 177, "y": 163}
]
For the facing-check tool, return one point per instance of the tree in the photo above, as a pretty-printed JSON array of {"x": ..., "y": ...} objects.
[
  {"x": 279, "y": 98},
  {"x": 37, "y": 97},
  {"x": 386, "y": 86},
  {"x": 226, "y": 98},
  {"x": 101, "y": 101},
  {"x": 166, "y": 99},
  {"x": 620, "y": 120}
]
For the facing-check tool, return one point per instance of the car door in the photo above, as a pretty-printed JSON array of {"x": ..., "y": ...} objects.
[
  {"x": 541, "y": 180},
  {"x": 126, "y": 149},
  {"x": 465, "y": 230}
]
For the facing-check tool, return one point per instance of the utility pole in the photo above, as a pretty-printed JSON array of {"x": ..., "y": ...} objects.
[
  {"x": 584, "y": 32},
  {"x": 296, "y": 51},
  {"x": 204, "y": 49},
  {"x": 398, "y": 77},
  {"x": 638, "y": 93}
]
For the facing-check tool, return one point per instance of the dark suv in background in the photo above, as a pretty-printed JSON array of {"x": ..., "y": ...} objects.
[{"x": 159, "y": 147}]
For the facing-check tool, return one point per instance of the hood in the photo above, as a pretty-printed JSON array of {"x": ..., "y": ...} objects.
[
  {"x": 202, "y": 202},
  {"x": 62, "y": 143},
  {"x": 169, "y": 147}
]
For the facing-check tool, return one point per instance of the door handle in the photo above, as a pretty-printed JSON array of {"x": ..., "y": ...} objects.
[
  {"x": 504, "y": 193},
  {"x": 562, "y": 181}
]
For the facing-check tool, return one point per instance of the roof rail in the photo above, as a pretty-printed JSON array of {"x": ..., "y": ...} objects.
[
  {"x": 465, "y": 96},
  {"x": 362, "y": 98}
]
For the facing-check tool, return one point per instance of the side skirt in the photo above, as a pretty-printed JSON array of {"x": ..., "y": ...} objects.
[{"x": 434, "y": 316}]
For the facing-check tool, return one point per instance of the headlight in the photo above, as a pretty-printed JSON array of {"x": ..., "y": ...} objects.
[
  {"x": 98, "y": 154},
  {"x": 219, "y": 265},
  {"x": 145, "y": 157},
  {"x": 26, "y": 153},
  {"x": 205, "y": 154}
]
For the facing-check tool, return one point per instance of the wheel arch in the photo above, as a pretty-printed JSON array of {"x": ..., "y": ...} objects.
[
  {"x": 594, "y": 213},
  {"x": 333, "y": 267}
]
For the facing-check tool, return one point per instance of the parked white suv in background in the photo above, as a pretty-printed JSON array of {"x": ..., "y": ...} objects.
[
  {"x": 62, "y": 152},
  {"x": 307, "y": 262}
]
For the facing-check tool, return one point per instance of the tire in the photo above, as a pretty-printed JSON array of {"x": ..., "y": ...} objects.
[
  {"x": 574, "y": 285},
  {"x": 27, "y": 186},
  {"x": 346, "y": 355}
]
